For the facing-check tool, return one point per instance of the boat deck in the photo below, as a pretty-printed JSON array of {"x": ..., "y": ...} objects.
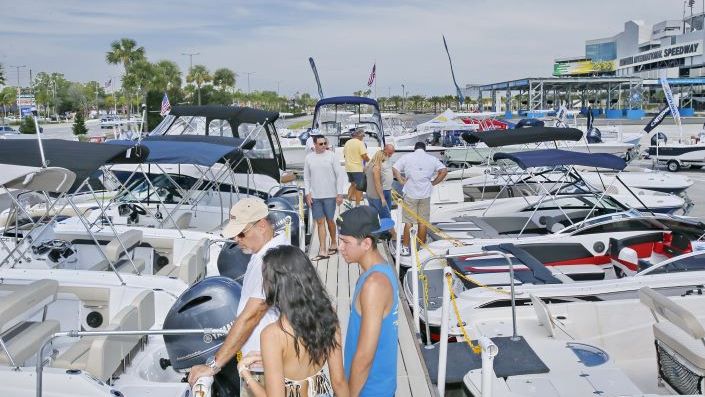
[{"x": 340, "y": 278}]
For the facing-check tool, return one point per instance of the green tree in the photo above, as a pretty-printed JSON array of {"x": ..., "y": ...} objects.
[
  {"x": 124, "y": 52},
  {"x": 224, "y": 78},
  {"x": 416, "y": 101},
  {"x": 27, "y": 126},
  {"x": 166, "y": 76},
  {"x": 79, "y": 124},
  {"x": 8, "y": 96},
  {"x": 199, "y": 75}
]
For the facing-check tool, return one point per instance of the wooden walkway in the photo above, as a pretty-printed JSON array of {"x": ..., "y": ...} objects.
[{"x": 340, "y": 278}]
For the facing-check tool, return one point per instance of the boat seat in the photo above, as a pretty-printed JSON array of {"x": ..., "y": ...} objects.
[
  {"x": 125, "y": 266},
  {"x": 144, "y": 302},
  {"x": 192, "y": 267},
  {"x": 113, "y": 250},
  {"x": 184, "y": 220},
  {"x": 25, "y": 341},
  {"x": 22, "y": 304},
  {"x": 102, "y": 356},
  {"x": 678, "y": 330}
]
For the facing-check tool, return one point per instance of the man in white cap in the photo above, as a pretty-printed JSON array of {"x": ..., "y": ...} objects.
[{"x": 252, "y": 228}]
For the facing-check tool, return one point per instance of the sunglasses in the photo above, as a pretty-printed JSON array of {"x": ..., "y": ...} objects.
[
  {"x": 241, "y": 235},
  {"x": 322, "y": 143}
]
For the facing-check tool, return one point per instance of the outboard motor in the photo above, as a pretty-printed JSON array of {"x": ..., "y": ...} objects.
[
  {"x": 280, "y": 208},
  {"x": 594, "y": 135},
  {"x": 232, "y": 262},
  {"x": 529, "y": 123},
  {"x": 657, "y": 136},
  {"x": 210, "y": 303}
]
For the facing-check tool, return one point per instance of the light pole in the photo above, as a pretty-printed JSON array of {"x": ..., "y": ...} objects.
[
  {"x": 248, "y": 80},
  {"x": 190, "y": 58},
  {"x": 278, "y": 82},
  {"x": 403, "y": 96},
  {"x": 18, "y": 67}
]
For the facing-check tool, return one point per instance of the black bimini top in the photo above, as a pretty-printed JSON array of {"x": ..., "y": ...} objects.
[
  {"x": 557, "y": 157},
  {"x": 238, "y": 114},
  {"x": 82, "y": 158},
  {"x": 523, "y": 136}
]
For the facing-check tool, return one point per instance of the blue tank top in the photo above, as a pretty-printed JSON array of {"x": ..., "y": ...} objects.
[{"x": 382, "y": 378}]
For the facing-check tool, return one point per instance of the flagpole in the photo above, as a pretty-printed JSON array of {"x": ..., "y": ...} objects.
[{"x": 375, "y": 66}]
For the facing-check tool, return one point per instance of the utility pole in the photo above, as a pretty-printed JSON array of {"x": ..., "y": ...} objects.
[
  {"x": 190, "y": 57},
  {"x": 278, "y": 81}
]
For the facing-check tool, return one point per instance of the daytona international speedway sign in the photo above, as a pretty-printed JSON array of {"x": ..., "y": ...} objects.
[{"x": 663, "y": 54}]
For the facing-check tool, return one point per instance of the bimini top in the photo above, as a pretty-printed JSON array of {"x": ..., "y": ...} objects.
[
  {"x": 171, "y": 151},
  {"x": 9, "y": 173},
  {"x": 82, "y": 158},
  {"x": 557, "y": 157},
  {"x": 234, "y": 113},
  {"x": 523, "y": 136},
  {"x": 351, "y": 100}
]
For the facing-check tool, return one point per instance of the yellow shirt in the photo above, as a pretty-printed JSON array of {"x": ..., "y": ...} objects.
[{"x": 353, "y": 151}]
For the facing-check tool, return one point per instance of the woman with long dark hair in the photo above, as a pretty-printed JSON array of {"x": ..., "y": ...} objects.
[{"x": 296, "y": 348}]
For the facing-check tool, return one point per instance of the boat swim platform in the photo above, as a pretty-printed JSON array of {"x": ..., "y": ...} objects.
[{"x": 339, "y": 278}]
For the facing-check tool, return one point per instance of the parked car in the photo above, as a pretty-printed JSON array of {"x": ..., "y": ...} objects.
[
  {"x": 110, "y": 122},
  {"x": 6, "y": 129}
]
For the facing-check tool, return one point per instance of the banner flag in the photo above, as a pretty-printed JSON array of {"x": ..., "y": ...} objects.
[
  {"x": 315, "y": 74},
  {"x": 653, "y": 123},
  {"x": 461, "y": 98}
]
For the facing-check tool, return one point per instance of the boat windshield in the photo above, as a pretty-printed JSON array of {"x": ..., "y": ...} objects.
[
  {"x": 604, "y": 206},
  {"x": 337, "y": 121},
  {"x": 632, "y": 213}
]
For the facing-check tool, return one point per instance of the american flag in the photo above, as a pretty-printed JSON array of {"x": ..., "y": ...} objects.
[
  {"x": 108, "y": 84},
  {"x": 166, "y": 106},
  {"x": 373, "y": 74}
]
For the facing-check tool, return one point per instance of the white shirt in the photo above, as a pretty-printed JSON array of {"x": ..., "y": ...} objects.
[
  {"x": 419, "y": 168},
  {"x": 323, "y": 175},
  {"x": 252, "y": 288},
  {"x": 310, "y": 146}
]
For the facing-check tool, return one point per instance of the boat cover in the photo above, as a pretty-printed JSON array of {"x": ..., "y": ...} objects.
[
  {"x": 167, "y": 151},
  {"x": 83, "y": 158},
  {"x": 236, "y": 114},
  {"x": 557, "y": 157},
  {"x": 523, "y": 136}
]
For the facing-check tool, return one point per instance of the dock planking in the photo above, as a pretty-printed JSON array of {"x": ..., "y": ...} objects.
[{"x": 340, "y": 278}]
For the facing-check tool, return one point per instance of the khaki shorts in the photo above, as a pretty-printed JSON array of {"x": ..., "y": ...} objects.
[
  {"x": 244, "y": 390},
  {"x": 420, "y": 207}
]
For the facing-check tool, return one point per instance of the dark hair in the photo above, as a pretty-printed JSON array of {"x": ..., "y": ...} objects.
[
  {"x": 292, "y": 286},
  {"x": 420, "y": 145},
  {"x": 317, "y": 137}
]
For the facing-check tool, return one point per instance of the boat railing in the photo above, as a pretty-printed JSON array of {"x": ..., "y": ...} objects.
[{"x": 77, "y": 334}]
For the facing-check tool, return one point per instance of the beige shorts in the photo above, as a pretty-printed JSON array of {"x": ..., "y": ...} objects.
[{"x": 421, "y": 208}]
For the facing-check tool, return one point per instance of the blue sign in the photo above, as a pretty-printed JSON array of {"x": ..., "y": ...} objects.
[{"x": 26, "y": 110}]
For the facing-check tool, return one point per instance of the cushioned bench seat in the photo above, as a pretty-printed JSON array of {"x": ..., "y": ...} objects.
[
  {"x": 22, "y": 304},
  {"x": 25, "y": 343}
]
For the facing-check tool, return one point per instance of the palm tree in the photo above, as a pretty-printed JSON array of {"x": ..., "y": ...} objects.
[
  {"x": 199, "y": 76},
  {"x": 224, "y": 78},
  {"x": 166, "y": 76},
  {"x": 124, "y": 52}
]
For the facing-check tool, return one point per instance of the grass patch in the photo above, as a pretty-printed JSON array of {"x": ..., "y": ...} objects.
[{"x": 300, "y": 124}]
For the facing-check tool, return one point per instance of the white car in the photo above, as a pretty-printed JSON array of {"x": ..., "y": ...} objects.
[{"x": 110, "y": 122}]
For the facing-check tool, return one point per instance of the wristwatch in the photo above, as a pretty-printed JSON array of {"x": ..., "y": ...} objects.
[{"x": 210, "y": 363}]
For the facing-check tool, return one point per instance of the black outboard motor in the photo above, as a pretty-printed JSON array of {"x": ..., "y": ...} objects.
[
  {"x": 210, "y": 303},
  {"x": 280, "y": 208},
  {"x": 232, "y": 262},
  {"x": 529, "y": 123},
  {"x": 656, "y": 137},
  {"x": 594, "y": 135}
]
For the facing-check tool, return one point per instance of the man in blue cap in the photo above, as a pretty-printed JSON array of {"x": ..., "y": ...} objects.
[{"x": 370, "y": 351}]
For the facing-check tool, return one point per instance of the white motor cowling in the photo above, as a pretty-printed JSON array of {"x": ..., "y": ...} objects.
[{"x": 627, "y": 261}]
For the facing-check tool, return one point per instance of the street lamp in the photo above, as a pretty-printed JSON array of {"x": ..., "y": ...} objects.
[
  {"x": 190, "y": 57},
  {"x": 248, "y": 80},
  {"x": 403, "y": 96},
  {"x": 18, "y": 67}
]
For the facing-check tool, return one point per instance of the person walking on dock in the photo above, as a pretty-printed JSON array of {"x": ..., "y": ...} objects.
[
  {"x": 355, "y": 154},
  {"x": 370, "y": 352},
  {"x": 380, "y": 177},
  {"x": 324, "y": 192},
  {"x": 418, "y": 172}
]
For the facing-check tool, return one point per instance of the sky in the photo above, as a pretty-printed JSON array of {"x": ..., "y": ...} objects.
[{"x": 489, "y": 40}]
